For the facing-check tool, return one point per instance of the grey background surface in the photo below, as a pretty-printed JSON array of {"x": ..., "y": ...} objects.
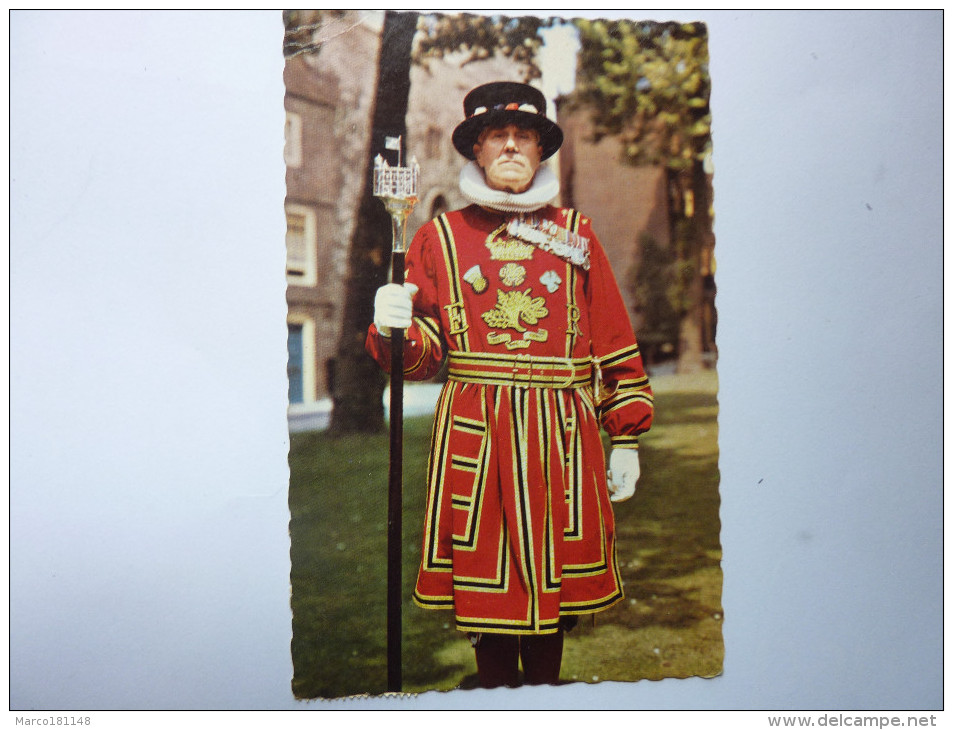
[{"x": 148, "y": 515}]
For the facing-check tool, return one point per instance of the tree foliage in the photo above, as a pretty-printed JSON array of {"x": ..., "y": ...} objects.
[
  {"x": 648, "y": 85},
  {"x": 516, "y": 38},
  {"x": 303, "y": 30},
  {"x": 654, "y": 284}
]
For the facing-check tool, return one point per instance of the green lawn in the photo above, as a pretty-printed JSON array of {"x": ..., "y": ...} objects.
[{"x": 669, "y": 624}]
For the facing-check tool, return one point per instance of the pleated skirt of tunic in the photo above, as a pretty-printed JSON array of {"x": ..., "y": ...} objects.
[{"x": 518, "y": 527}]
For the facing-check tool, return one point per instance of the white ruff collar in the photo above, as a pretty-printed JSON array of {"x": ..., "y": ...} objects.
[{"x": 473, "y": 185}]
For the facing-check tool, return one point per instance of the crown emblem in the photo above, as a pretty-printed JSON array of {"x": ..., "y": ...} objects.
[{"x": 509, "y": 249}]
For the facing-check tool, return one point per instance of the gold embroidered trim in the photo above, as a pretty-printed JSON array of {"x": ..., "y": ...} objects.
[
  {"x": 497, "y": 338},
  {"x": 507, "y": 248},
  {"x": 512, "y": 307},
  {"x": 512, "y": 274},
  {"x": 456, "y": 314},
  {"x": 522, "y": 370}
]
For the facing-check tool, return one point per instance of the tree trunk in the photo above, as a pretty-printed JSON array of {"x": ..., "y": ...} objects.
[
  {"x": 691, "y": 331},
  {"x": 359, "y": 383}
]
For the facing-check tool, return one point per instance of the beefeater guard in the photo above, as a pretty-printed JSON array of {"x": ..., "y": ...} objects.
[{"x": 518, "y": 295}]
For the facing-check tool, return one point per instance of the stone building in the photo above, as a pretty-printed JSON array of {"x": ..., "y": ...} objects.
[
  {"x": 330, "y": 89},
  {"x": 624, "y": 202},
  {"x": 328, "y": 103}
]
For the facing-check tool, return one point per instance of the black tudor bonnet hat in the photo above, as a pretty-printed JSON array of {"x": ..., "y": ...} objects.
[{"x": 505, "y": 102}]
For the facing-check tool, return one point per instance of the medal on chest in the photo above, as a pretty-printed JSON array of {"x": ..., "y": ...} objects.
[
  {"x": 516, "y": 240},
  {"x": 548, "y": 236}
]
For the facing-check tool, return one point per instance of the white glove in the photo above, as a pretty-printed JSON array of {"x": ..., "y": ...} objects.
[
  {"x": 623, "y": 473},
  {"x": 393, "y": 307}
]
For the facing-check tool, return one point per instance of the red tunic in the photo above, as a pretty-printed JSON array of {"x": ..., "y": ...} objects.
[{"x": 518, "y": 526}]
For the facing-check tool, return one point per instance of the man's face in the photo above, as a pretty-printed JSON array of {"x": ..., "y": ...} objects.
[{"x": 509, "y": 157}]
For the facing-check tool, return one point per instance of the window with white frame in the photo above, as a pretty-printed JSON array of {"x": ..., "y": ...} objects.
[{"x": 301, "y": 244}]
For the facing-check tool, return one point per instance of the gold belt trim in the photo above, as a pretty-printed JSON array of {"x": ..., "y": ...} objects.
[{"x": 523, "y": 370}]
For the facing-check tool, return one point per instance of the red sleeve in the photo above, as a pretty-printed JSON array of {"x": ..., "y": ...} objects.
[
  {"x": 423, "y": 342},
  {"x": 623, "y": 394}
]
